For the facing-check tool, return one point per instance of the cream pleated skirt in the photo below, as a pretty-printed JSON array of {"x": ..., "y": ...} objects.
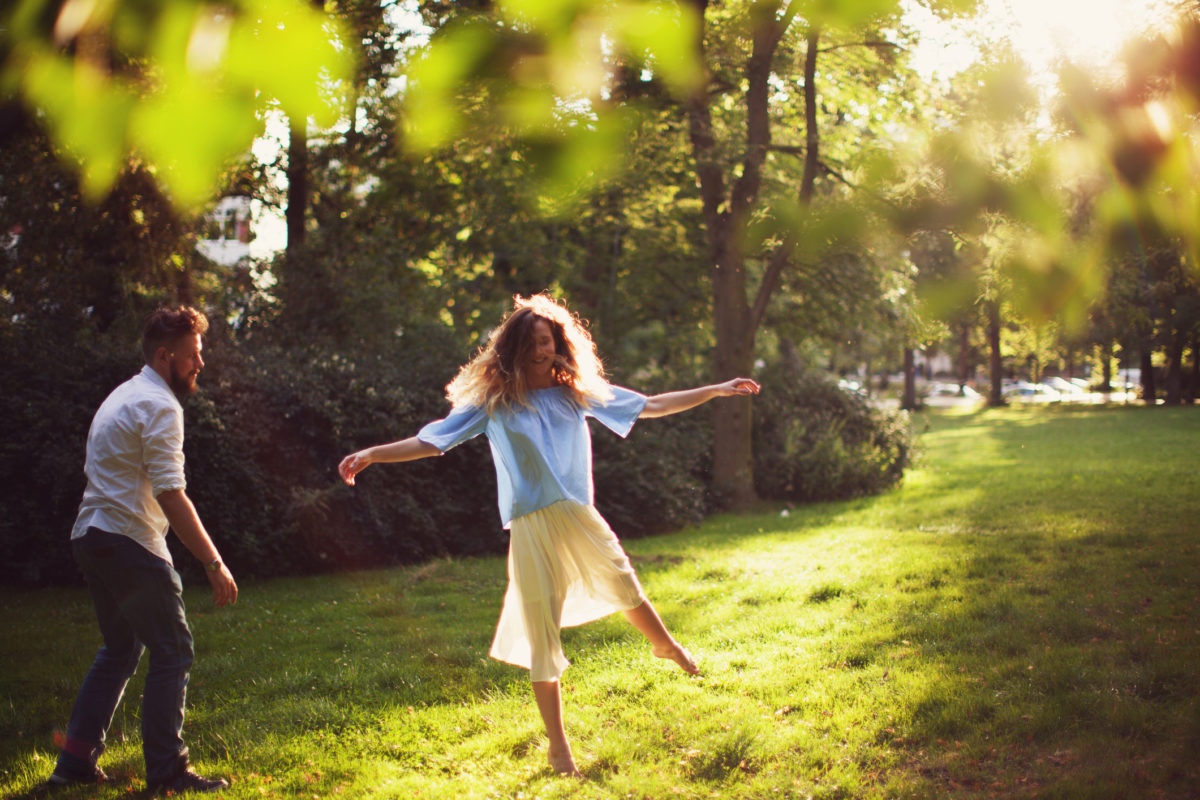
[{"x": 565, "y": 568}]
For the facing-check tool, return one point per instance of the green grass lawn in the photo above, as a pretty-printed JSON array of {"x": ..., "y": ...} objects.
[{"x": 1019, "y": 619}]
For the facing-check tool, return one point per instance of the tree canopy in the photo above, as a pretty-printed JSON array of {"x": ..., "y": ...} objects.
[{"x": 753, "y": 187}]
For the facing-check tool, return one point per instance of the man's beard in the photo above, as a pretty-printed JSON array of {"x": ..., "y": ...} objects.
[{"x": 182, "y": 384}]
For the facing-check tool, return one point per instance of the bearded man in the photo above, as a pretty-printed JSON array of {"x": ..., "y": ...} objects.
[{"x": 135, "y": 493}]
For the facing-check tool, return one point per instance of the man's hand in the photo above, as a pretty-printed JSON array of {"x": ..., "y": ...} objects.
[
  {"x": 225, "y": 590},
  {"x": 184, "y": 520}
]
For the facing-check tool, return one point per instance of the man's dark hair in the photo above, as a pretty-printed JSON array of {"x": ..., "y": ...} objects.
[{"x": 165, "y": 326}]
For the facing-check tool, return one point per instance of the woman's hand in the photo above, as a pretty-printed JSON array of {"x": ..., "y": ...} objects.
[
  {"x": 738, "y": 386},
  {"x": 409, "y": 449},
  {"x": 353, "y": 464}
]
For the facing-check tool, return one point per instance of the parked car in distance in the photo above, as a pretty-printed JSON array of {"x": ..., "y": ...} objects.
[
  {"x": 1064, "y": 386},
  {"x": 952, "y": 390},
  {"x": 1032, "y": 392},
  {"x": 852, "y": 386}
]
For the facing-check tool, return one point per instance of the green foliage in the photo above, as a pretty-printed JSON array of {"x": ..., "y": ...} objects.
[
  {"x": 52, "y": 388},
  {"x": 653, "y": 481},
  {"x": 82, "y": 265},
  {"x": 1051, "y": 222},
  {"x": 523, "y": 66},
  {"x": 815, "y": 441},
  {"x": 179, "y": 84},
  {"x": 264, "y": 447}
]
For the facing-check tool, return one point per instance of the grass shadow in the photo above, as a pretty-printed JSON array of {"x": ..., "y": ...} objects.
[{"x": 1059, "y": 613}]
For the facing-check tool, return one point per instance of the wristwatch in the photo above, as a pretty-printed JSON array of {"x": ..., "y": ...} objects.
[{"x": 214, "y": 565}]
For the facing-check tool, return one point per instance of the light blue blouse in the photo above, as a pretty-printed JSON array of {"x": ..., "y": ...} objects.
[{"x": 543, "y": 453}]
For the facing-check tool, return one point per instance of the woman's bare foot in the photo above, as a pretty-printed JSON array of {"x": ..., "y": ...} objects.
[
  {"x": 564, "y": 764},
  {"x": 676, "y": 653}
]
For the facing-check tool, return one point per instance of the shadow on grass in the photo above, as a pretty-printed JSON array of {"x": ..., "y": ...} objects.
[
  {"x": 309, "y": 661},
  {"x": 1061, "y": 613}
]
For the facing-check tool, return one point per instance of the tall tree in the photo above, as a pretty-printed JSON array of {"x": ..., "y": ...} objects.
[
  {"x": 727, "y": 209},
  {"x": 735, "y": 173}
]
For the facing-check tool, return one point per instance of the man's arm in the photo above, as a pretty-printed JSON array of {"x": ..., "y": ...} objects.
[{"x": 184, "y": 520}]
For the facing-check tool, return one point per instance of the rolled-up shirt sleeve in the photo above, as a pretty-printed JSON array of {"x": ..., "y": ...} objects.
[{"x": 162, "y": 450}]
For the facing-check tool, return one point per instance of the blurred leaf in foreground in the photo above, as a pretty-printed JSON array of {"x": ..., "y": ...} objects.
[{"x": 178, "y": 84}]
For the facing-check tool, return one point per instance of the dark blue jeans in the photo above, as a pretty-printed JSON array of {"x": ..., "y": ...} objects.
[{"x": 138, "y": 599}]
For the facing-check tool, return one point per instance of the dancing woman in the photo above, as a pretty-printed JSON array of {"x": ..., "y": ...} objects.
[{"x": 530, "y": 390}]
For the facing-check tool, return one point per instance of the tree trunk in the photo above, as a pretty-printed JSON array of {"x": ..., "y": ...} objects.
[
  {"x": 1194, "y": 384},
  {"x": 812, "y": 160},
  {"x": 1106, "y": 371},
  {"x": 995, "y": 363},
  {"x": 297, "y": 170},
  {"x": 725, "y": 216},
  {"x": 1149, "y": 392},
  {"x": 594, "y": 294},
  {"x": 733, "y": 471},
  {"x": 910, "y": 380},
  {"x": 964, "y": 355},
  {"x": 733, "y": 422},
  {"x": 297, "y": 177},
  {"x": 1174, "y": 387}
]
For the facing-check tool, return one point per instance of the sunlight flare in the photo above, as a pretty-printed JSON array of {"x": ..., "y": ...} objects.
[{"x": 1043, "y": 33}]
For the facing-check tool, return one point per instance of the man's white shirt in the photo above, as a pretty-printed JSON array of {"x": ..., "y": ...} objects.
[{"x": 134, "y": 454}]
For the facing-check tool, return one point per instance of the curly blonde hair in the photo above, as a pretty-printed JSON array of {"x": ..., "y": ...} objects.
[{"x": 495, "y": 378}]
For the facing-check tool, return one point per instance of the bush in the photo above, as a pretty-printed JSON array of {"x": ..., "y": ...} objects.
[
  {"x": 652, "y": 481},
  {"x": 263, "y": 439},
  {"x": 272, "y": 420},
  {"x": 814, "y": 441},
  {"x": 52, "y": 387},
  {"x": 264, "y": 442}
]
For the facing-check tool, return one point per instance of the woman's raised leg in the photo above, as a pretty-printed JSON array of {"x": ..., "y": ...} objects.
[{"x": 662, "y": 643}]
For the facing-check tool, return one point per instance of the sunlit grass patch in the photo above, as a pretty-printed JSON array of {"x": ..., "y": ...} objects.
[{"x": 1017, "y": 620}]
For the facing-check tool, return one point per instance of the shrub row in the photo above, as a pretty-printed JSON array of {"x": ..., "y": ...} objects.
[
  {"x": 815, "y": 441},
  {"x": 271, "y": 422}
]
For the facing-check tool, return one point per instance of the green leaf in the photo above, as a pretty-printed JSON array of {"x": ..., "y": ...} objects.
[
  {"x": 290, "y": 52},
  {"x": 546, "y": 15},
  {"x": 664, "y": 34},
  {"x": 204, "y": 73},
  {"x": 190, "y": 131},
  {"x": 88, "y": 112},
  {"x": 848, "y": 14},
  {"x": 433, "y": 118}
]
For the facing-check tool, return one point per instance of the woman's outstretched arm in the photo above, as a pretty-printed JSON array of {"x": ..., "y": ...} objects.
[
  {"x": 409, "y": 449},
  {"x": 661, "y": 405}
]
